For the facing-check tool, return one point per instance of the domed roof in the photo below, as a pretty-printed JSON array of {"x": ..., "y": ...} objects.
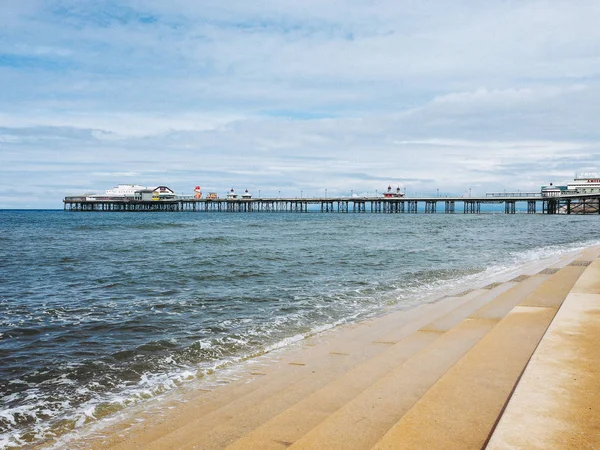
[{"x": 550, "y": 188}]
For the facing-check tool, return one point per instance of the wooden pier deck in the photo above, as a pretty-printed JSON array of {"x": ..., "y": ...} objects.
[{"x": 571, "y": 204}]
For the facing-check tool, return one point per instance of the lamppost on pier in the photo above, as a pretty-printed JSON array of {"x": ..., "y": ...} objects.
[
  {"x": 325, "y": 193},
  {"x": 300, "y": 194},
  {"x": 351, "y": 193}
]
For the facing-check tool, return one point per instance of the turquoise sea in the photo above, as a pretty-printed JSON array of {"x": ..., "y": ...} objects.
[{"x": 102, "y": 311}]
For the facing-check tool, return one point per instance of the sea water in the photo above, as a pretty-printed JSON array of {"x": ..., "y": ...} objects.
[{"x": 102, "y": 311}]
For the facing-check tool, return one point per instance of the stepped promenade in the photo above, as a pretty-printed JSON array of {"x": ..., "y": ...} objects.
[{"x": 513, "y": 363}]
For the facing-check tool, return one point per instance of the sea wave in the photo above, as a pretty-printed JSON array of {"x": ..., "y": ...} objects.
[{"x": 149, "y": 304}]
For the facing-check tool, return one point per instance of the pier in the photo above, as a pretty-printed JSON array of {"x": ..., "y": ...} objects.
[{"x": 535, "y": 204}]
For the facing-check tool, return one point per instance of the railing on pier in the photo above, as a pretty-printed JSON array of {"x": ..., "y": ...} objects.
[{"x": 514, "y": 194}]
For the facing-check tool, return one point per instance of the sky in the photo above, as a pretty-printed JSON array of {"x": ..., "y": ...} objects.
[{"x": 292, "y": 98}]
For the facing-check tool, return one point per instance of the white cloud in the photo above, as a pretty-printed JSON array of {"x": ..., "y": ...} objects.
[{"x": 297, "y": 96}]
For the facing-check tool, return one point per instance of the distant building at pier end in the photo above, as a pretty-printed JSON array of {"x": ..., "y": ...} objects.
[{"x": 583, "y": 183}]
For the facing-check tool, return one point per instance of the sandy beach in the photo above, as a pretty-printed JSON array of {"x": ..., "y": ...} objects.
[{"x": 439, "y": 375}]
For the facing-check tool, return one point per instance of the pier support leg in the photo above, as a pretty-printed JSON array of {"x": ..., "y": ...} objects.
[{"x": 509, "y": 207}]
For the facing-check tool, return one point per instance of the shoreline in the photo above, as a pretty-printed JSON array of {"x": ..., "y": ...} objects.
[{"x": 155, "y": 419}]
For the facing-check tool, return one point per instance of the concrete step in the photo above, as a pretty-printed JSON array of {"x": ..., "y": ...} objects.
[
  {"x": 555, "y": 403},
  {"x": 454, "y": 317},
  {"x": 554, "y": 291},
  {"x": 382, "y": 407},
  {"x": 590, "y": 253},
  {"x": 264, "y": 372},
  {"x": 317, "y": 366},
  {"x": 286, "y": 428},
  {"x": 371, "y": 413},
  {"x": 243, "y": 417},
  {"x": 297, "y": 374},
  {"x": 460, "y": 410},
  {"x": 466, "y": 304},
  {"x": 291, "y": 424}
]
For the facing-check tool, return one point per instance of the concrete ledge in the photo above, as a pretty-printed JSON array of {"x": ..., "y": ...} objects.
[{"x": 555, "y": 404}]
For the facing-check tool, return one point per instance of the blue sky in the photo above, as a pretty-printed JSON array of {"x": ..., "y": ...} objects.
[{"x": 342, "y": 95}]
